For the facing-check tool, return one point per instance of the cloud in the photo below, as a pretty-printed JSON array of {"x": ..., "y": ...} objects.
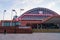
[
  {"x": 54, "y": 5},
  {"x": 51, "y": 4},
  {"x": 27, "y": 5}
]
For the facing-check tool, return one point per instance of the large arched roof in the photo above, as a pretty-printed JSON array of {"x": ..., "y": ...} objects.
[
  {"x": 37, "y": 14},
  {"x": 44, "y": 10}
]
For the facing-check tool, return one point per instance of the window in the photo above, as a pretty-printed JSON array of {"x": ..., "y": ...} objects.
[
  {"x": 10, "y": 24},
  {"x": 40, "y": 12},
  {"x": 6, "y": 24},
  {"x": 34, "y": 17},
  {"x": 15, "y": 23}
]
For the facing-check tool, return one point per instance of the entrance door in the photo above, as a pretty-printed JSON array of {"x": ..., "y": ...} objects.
[
  {"x": 36, "y": 26},
  {"x": 50, "y": 26}
]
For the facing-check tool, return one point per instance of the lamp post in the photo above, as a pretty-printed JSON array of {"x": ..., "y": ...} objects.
[
  {"x": 3, "y": 19},
  {"x": 20, "y": 17},
  {"x": 14, "y": 19}
]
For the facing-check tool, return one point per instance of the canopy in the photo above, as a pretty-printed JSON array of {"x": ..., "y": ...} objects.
[{"x": 54, "y": 19}]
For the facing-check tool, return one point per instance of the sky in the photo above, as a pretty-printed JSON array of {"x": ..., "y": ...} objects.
[{"x": 9, "y": 5}]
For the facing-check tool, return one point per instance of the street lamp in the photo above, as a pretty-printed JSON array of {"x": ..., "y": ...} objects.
[
  {"x": 14, "y": 19},
  {"x": 14, "y": 11},
  {"x": 21, "y": 11}
]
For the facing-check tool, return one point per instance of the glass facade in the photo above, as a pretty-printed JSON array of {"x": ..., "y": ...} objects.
[
  {"x": 34, "y": 17},
  {"x": 6, "y": 24},
  {"x": 45, "y": 26},
  {"x": 50, "y": 26},
  {"x": 10, "y": 24},
  {"x": 15, "y": 24}
]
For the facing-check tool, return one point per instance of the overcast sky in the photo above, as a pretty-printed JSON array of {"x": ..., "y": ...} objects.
[{"x": 26, "y": 5}]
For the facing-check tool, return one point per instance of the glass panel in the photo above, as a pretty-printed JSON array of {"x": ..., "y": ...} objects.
[
  {"x": 6, "y": 24},
  {"x": 10, "y": 23},
  {"x": 15, "y": 23},
  {"x": 34, "y": 17}
]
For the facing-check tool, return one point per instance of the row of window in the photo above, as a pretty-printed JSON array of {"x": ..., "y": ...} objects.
[
  {"x": 45, "y": 26},
  {"x": 34, "y": 17},
  {"x": 10, "y": 23}
]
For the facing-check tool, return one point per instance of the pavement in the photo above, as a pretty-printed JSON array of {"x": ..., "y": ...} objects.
[{"x": 33, "y": 36}]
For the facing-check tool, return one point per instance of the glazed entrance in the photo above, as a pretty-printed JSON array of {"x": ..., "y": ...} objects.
[{"x": 44, "y": 26}]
